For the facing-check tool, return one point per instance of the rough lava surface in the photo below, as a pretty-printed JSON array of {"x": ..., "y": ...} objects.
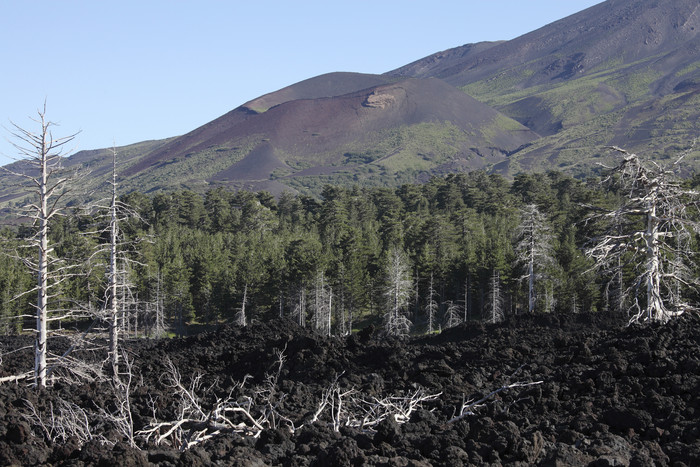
[{"x": 610, "y": 394}]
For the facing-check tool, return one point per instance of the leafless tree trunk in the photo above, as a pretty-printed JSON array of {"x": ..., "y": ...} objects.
[
  {"x": 397, "y": 293},
  {"x": 431, "y": 308},
  {"x": 322, "y": 305},
  {"x": 495, "y": 302},
  {"x": 241, "y": 316},
  {"x": 452, "y": 315},
  {"x": 118, "y": 289},
  {"x": 329, "y": 315},
  {"x": 43, "y": 155},
  {"x": 533, "y": 249},
  {"x": 113, "y": 316},
  {"x": 658, "y": 252},
  {"x": 342, "y": 315},
  {"x": 300, "y": 307}
]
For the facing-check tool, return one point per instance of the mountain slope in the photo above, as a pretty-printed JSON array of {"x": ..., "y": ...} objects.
[
  {"x": 387, "y": 132},
  {"x": 623, "y": 31},
  {"x": 622, "y": 72}
]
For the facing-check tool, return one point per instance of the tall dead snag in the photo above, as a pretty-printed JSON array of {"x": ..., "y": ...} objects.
[
  {"x": 323, "y": 305},
  {"x": 113, "y": 272},
  {"x": 657, "y": 249},
  {"x": 494, "y": 305},
  {"x": 115, "y": 212},
  {"x": 241, "y": 319},
  {"x": 42, "y": 155},
  {"x": 397, "y": 293},
  {"x": 432, "y": 307},
  {"x": 534, "y": 251}
]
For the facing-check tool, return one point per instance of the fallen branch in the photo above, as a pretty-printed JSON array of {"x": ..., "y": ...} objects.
[
  {"x": 198, "y": 422},
  {"x": 348, "y": 409},
  {"x": 467, "y": 407},
  {"x": 15, "y": 378}
]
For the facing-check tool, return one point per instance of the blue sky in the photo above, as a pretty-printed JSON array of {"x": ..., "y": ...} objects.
[{"x": 128, "y": 71}]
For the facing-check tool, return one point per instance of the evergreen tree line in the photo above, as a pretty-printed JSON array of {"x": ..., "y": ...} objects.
[{"x": 422, "y": 257}]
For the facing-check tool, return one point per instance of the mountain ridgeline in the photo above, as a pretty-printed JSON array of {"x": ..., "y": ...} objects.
[{"x": 623, "y": 73}]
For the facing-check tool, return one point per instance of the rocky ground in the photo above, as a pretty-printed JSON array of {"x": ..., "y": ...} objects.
[{"x": 586, "y": 391}]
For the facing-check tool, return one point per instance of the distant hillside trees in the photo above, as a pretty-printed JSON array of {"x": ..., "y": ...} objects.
[{"x": 327, "y": 263}]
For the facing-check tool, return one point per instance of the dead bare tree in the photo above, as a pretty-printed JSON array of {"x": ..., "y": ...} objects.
[
  {"x": 241, "y": 319},
  {"x": 494, "y": 305},
  {"x": 468, "y": 407},
  {"x": 247, "y": 412},
  {"x": 323, "y": 302},
  {"x": 42, "y": 157},
  {"x": 431, "y": 308},
  {"x": 112, "y": 275},
  {"x": 299, "y": 311},
  {"x": 63, "y": 420},
  {"x": 120, "y": 418},
  {"x": 112, "y": 213},
  {"x": 397, "y": 293},
  {"x": 657, "y": 250},
  {"x": 453, "y": 314},
  {"x": 533, "y": 249},
  {"x": 349, "y": 408}
]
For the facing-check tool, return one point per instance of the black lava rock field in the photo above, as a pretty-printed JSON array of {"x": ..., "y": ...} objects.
[{"x": 576, "y": 389}]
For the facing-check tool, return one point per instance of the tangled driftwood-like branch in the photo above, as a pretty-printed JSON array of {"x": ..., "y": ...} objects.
[
  {"x": 468, "y": 407},
  {"x": 65, "y": 420},
  {"x": 348, "y": 408},
  {"x": 247, "y": 415},
  {"x": 260, "y": 408}
]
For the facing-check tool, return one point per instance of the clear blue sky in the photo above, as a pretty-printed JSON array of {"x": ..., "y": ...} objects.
[{"x": 127, "y": 71}]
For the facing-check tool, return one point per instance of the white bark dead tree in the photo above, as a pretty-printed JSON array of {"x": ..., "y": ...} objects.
[
  {"x": 431, "y": 309},
  {"x": 453, "y": 315},
  {"x": 299, "y": 311},
  {"x": 397, "y": 293},
  {"x": 658, "y": 251},
  {"x": 113, "y": 273},
  {"x": 241, "y": 319},
  {"x": 118, "y": 295},
  {"x": 42, "y": 157},
  {"x": 533, "y": 250},
  {"x": 495, "y": 312},
  {"x": 323, "y": 301}
]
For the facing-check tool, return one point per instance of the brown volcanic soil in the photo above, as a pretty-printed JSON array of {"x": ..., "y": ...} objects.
[
  {"x": 302, "y": 128},
  {"x": 610, "y": 395},
  {"x": 326, "y": 85}
]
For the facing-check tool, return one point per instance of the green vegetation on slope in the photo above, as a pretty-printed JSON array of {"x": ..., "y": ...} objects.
[{"x": 209, "y": 250}]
